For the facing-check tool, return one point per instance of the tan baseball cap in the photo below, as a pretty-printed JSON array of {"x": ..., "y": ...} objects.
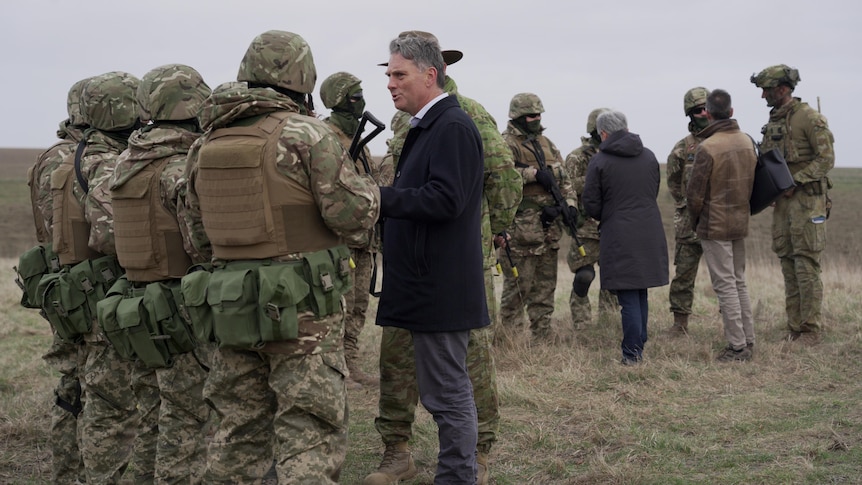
[{"x": 449, "y": 56}]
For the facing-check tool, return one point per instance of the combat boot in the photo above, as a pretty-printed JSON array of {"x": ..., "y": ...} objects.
[
  {"x": 397, "y": 464},
  {"x": 680, "y": 323},
  {"x": 483, "y": 475}
]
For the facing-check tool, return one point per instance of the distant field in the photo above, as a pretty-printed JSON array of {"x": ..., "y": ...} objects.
[{"x": 844, "y": 239}]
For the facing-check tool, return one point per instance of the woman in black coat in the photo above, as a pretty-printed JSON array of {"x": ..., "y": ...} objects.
[{"x": 620, "y": 192}]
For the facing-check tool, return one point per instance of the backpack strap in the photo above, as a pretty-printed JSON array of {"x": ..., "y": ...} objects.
[{"x": 78, "y": 152}]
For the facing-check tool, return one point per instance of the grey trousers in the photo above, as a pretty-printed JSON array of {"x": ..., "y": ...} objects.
[{"x": 446, "y": 392}]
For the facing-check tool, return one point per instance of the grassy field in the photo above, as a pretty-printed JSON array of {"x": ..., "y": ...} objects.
[{"x": 570, "y": 413}]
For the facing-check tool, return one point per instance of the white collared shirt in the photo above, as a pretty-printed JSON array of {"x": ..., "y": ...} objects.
[{"x": 415, "y": 120}]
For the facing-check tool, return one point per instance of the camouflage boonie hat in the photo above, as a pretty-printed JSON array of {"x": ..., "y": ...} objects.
[
  {"x": 109, "y": 101},
  {"x": 450, "y": 56},
  {"x": 334, "y": 89},
  {"x": 774, "y": 76},
  {"x": 172, "y": 92},
  {"x": 693, "y": 98},
  {"x": 73, "y": 103},
  {"x": 279, "y": 58},
  {"x": 525, "y": 104},
  {"x": 591, "y": 119}
]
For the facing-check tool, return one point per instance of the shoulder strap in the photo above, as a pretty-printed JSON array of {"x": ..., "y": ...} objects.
[{"x": 78, "y": 152}]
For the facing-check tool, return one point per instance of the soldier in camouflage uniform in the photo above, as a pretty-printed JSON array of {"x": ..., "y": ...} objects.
[
  {"x": 582, "y": 266},
  {"x": 67, "y": 465},
  {"x": 802, "y": 134},
  {"x": 342, "y": 93},
  {"x": 537, "y": 227},
  {"x": 687, "y": 252},
  {"x": 83, "y": 235},
  {"x": 169, "y": 97},
  {"x": 399, "y": 393},
  {"x": 301, "y": 199}
]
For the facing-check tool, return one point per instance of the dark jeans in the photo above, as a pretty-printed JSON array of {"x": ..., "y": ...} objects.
[
  {"x": 634, "y": 312},
  {"x": 446, "y": 392}
]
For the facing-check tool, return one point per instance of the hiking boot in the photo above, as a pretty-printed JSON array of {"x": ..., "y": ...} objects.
[
  {"x": 483, "y": 476},
  {"x": 680, "y": 324},
  {"x": 397, "y": 464},
  {"x": 731, "y": 355}
]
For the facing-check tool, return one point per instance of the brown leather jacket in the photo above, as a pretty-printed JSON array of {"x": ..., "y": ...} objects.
[{"x": 719, "y": 188}]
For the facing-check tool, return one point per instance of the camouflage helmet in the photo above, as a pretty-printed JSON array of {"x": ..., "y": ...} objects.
[
  {"x": 693, "y": 98},
  {"x": 774, "y": 76},
  {"x": 73, "y": 103},
  {"x": 279, "y": 58},
  {"x": 525, "y": 104},
  {"x": 334, "y": 89},
  {"x": 591, "y": 119},
  {"x": 109, "y": 101},
  {"x": 172, "y": 92}
]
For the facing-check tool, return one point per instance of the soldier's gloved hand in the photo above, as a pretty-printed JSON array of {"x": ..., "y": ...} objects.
[
  {"x": 572, "y": 213},
  {"x": 545, "y": 179},
  {"x": 548, "y": 215}
]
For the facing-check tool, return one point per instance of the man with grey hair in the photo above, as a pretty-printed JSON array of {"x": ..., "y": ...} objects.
[
  {"x": 718, "y": 194},
  {"x": 432, "y": 245},
  {"x": 620, "y": 192}
]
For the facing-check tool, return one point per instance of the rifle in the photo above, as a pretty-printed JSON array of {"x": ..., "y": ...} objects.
[
  {"x": 358, "y": 142},
  {"x": 570, "y": 222},
  {"x": 357, "y": 153}
]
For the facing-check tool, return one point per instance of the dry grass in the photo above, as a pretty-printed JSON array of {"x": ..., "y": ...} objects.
[{"x": 570, "y": 413}]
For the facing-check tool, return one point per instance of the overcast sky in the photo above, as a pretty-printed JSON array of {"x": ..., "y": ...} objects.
[{"x": 638, "y": 57}]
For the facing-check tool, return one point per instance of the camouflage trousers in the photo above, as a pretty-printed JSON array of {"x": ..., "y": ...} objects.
[
  {"x": 399, "y": 392},
  {"x": 66, "y": 464},
  {"x": 183, "y": 418},
  {"x": 532, "y": 290},
  {"x": 289, "y": 407},
  {"x": 146, "y": 390},
  {"x": 686, "y": 259},
  {"x": 356, "y": 303},
  {"x": 582, "y": 311},
  {"x": 109, "y": 421},
  {"x": 798, "y": 239}
]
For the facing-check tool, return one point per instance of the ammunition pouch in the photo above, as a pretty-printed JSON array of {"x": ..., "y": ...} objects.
[
  {"x": 35, "y": 263},
  {"x": 68, "y": 299},
  {"x": 146, "y": 323},
  {"x": 246, "y": 304}
]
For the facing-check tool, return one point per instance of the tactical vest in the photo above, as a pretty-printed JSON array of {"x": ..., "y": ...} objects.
[
  {"x": 786, "y": 132},
  {"x": 70, "y": 227},
  {"x": 148, "y": 240},
  {"x": 525, "y": 157},
  {"x": 249, "y": 209}
]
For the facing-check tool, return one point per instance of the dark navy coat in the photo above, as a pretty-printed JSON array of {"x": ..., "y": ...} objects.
[
  {"x": 432, "y": 250},
  {"x": 620, "y": 192}
]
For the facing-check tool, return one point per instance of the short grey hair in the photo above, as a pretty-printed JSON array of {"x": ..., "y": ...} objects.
[
  {"x": 424, "y": 52},
  {"x": 611, "y": 121}
]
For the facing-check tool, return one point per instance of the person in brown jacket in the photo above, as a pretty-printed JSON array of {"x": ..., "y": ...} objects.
[{"x": 718, "y": 194}]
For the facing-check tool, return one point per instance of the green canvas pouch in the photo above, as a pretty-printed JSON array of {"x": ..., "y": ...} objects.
[
  {"x": 194, "y": 305},
  {"x": 282, "y": 295},
  {"x": 232, "y": 294},
  {"x": 133, "y": 319},
  {"x": 321, "y": 274},
  {"x": 32, "y": 266},
  {"x": 106, "y": 310},
  {"x": 64, "y": 304},
  {"x": 171, "y": 329}
]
